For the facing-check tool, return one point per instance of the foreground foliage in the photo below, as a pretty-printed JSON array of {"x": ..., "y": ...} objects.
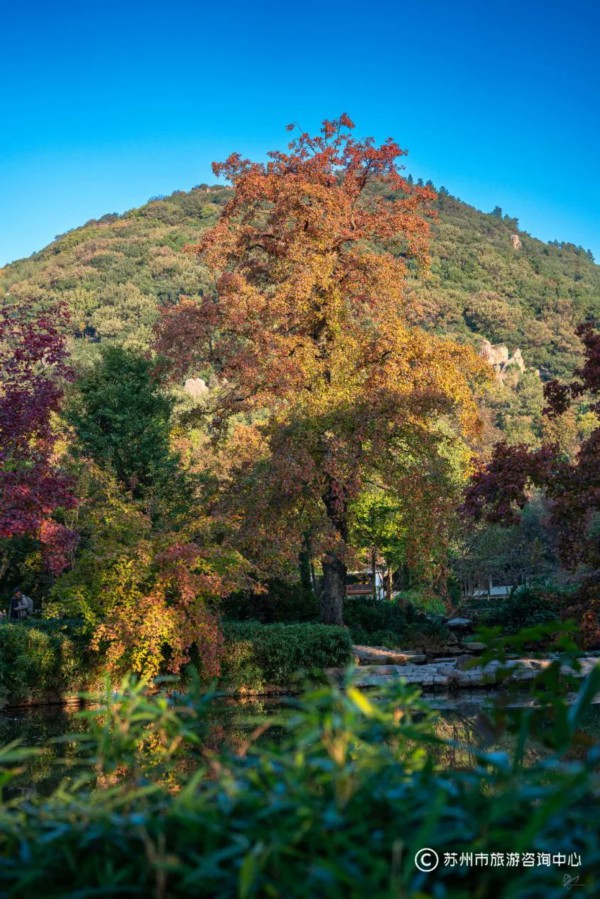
[{"x": 338, "y": 807}]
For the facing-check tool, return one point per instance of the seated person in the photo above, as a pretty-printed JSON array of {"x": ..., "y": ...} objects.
[{"x": 21, "y": 606}]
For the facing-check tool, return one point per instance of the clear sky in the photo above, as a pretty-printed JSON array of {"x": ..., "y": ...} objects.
[{"x": 107, "y": 104}]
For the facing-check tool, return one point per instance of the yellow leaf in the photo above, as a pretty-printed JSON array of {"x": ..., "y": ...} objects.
[{"x": 361, "y": 702}]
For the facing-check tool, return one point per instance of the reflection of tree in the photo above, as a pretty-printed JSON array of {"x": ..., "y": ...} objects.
[{"x": 472, "y": 730}]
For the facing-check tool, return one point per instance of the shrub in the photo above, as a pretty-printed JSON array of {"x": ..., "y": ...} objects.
[
  {"x": 256, "y": 654},
  {"x": 583, "y": 606},
  {"x": 393, "y": 624},
  {"x": 41, "y": 658},
  {"x": 371, "y": 615},
  {"x": 423, "y": 601},
  {"x": 371, "y": 621},
  {"x": 525, "y": 607}
]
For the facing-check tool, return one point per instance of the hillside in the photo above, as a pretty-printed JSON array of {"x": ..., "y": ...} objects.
[
  {"x": 492, "y": 280},
  {"x": 488, "y": 280}
]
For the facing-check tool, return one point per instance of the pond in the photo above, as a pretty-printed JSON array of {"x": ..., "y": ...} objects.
[
  {"x": 232, "y": 724},
  {"x": 48, "y": 727}
]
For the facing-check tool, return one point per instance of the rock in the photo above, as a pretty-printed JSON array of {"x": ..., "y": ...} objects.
[
  {"x": 338, "y": 673},
  {"x": 459, "y": 624},
  {"x": 195, "y": 387},
  {"x": 499, "y": 357},
  {"x": 517, "y": 359},
  {"x": 449, "y": 673},
  {"x": 464, "y": 661},
  {"x": 515, "y": 241},
  {"x": 475, "y": 646},
  {"x": 380, "y": 655}
]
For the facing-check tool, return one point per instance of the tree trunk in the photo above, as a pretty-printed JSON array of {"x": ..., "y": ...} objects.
[
  {"x": 4, "y": 563},
  {"x": 403, "y": 577},
  {"x": 388, "y": 583},
  {"x": 333, "y": 590},
  {"x": 334, "y": 569},
  {"x": 374, "y": 571},
  {"x": 313, "y": 578},
  {"x": 305, "y": 566}
]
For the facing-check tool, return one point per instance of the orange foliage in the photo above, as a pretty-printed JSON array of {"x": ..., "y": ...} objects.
[
  {"x": 310, "y": 333},
  {"x": 172, "y": 618}
]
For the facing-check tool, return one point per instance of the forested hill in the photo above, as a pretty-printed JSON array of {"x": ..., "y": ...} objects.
[{"x": 487, "y": 278}]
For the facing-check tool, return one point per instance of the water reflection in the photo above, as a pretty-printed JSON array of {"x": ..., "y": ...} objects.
[{"x": 236, "y": 723}]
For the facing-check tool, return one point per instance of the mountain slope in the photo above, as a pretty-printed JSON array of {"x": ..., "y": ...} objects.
[
  {"x": 492, "y": 280},
  {"x": 487, "y": 280}
]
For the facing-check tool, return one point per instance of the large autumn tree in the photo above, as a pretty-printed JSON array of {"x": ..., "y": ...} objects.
[{"x": 325, "y": 382}]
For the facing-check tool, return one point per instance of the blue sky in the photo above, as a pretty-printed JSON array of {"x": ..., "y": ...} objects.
[{"x": 105, "y": 105}]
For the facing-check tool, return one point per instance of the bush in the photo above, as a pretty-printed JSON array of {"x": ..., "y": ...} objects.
[
  {"x": 393, "y": 624},
  {"x": 40, "y": 658},
  {"x": 422, "y": 601},
  {"x": 583, "y": 607},
  {"x": 371, "y": 615},
  {"x": 524, "y": 608},
  {"x": 257, "y": 654},
  {"x": 371, "y": 621}
]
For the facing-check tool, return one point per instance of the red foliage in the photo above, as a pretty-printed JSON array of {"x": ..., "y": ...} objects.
[
  {"x": 590, "y": 373},
  {"x": 559, "y": 396},
  {"x": 186, "y": 571},
  {"x": 501, "y": 488},
  {"x": 32, "y": 368}
]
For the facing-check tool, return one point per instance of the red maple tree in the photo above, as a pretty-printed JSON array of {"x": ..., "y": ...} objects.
[{"x": 33, "y": 368}]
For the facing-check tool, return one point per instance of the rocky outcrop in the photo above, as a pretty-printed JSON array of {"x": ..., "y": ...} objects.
[
  {"x": 196, "y": 387},
  {"x": 500, "y": 358},
  {"x": 516, "y": 241}
]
